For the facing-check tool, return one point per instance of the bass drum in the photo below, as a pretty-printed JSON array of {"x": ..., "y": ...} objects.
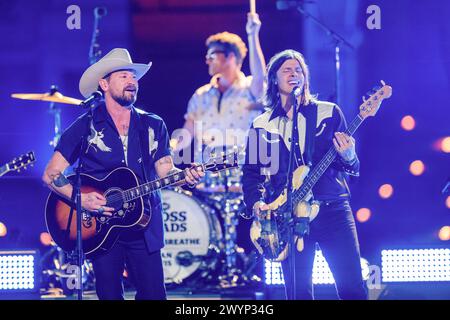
[{"x": 192, "y": 239}]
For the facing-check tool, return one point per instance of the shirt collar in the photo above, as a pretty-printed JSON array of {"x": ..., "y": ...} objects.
[
  {"x": 239, "y": 82},
  {"x": 278, "y": 111},
  {"x": 101, "y": 113}
]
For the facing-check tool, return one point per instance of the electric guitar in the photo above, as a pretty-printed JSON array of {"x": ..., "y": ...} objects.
[
  {"x": 18, "y": 163},
  {"x": 123, "y": 193},
  {"x": 272, "y": 234}
]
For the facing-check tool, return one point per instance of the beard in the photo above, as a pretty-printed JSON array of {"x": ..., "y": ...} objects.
[{"x": 125, "y": 99}]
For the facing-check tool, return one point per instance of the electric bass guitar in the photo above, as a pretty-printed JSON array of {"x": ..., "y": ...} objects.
[
  {"x": 272, "y": 234},
  {"x": 123, "y": 193},
  {"x": 18, "y": 163}
]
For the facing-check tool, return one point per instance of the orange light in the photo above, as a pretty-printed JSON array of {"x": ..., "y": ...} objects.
[
  {"x": 417, "y": 167},
  {"x": 3, "y": 230},
  {"x": 386, "y": 191},
  {"x": 363, "y": 214},
  {"x": 408, "y": 123},
  {"x": 46, "y": 238},
  {"x": 445, "y": 145},
  {"x": 447, "y": 202},
  {"x": 444, "y": 233}
]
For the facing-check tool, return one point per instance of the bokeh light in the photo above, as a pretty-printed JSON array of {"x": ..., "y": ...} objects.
[
  {"x": 445, "y": 145},
  {"x": 417, "y": 167},
  {"x": 363, "y": 215},
  {"x": 408, "y": 123},
  {"x": 444, "y": 233},
  {"x": 386, "y": 191},
  {"x": 3, "y": 230},
  {"x": 46, "y": 238}
]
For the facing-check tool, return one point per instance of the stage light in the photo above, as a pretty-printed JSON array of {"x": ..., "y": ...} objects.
[
  {"x": 321, "y": 271},
  {"x": 417, "y": 167},
  {"x": 386, "y": 191},
  {"x": 363, "y": 215},
  {"x": 415, "y": 265},
  {"x": 408, "y": 123},
  {"x": 444, "y": 233},
  {"x": 18, "y": 273},
  {"x": 3, "y": 230}
]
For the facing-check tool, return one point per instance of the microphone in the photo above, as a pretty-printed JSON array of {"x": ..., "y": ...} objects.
[
  {"x": 100, "y": 12},
  {"x": 94, "y": 98},
  {"x": 297, "y": 91}
]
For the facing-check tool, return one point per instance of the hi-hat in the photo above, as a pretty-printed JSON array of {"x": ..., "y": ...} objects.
[{"x": 55, "y": 97}]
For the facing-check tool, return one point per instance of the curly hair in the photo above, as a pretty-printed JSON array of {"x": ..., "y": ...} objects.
[
  {"x": 271, "y": 95},
  {"x": 229, "y": 42}
]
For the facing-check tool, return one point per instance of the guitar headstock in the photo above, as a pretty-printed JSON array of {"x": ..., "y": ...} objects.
[
  {"x": 371, "y": 105},
  {"x": 21, "y": 162},
  {"x": 226, "y": 160}
]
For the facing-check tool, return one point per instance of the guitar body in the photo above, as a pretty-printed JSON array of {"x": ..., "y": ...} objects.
[
  {"x": 99, "y": 233},
  {"x": 270, "y": 235}
]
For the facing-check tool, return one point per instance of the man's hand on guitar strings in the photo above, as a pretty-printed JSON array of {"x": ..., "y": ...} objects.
[
  {"x": 95, "y": 202},
  {"x": 258, "y": 209},
  {"x": 194, "y": 174}
]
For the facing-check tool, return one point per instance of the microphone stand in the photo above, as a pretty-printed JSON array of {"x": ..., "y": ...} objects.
[
  {"x": 290, "y": 207},
  {"x": 76, "y": 195},
  {"x": 338, "y": 42},
  {"x": 94, "y": 49}
]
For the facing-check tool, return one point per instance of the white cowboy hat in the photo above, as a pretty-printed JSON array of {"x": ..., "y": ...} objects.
[{"x": 116, "y": 59}]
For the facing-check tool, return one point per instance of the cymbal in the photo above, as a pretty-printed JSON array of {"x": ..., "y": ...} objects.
[{"x": 55, "y": 97}]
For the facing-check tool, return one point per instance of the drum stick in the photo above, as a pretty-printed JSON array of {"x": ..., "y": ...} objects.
[{"x": 252, "y": 6}]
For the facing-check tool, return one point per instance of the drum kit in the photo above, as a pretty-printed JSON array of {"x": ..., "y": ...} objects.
[
  {"x": 201, "y": 227},
  {"x": 201, "y": 247}
]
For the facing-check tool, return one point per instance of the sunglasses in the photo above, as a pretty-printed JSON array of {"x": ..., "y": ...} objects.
[{"x": 211, "y": 55}]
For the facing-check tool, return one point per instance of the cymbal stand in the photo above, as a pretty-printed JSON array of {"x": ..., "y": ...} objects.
[{"x": 56, "y": 111}]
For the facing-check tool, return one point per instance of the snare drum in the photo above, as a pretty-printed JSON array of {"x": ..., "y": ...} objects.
[{"x": 192, "y": 237}]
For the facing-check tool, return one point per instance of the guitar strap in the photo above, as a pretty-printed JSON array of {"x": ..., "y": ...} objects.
[
  {"x": 310, "y": 114},
  {"x": 142, "y": 133}
]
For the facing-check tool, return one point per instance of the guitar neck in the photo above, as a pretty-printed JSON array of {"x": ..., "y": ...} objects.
[
  {"x": 149, "y": 187},
  {"x": 323, "y": 165}
]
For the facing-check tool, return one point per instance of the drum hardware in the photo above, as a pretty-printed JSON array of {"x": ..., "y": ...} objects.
[
  {"x": 56, "y": 274},
  {"x": 53, "y": 96}
]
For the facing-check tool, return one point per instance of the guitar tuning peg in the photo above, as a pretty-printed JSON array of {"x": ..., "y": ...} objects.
[
  {"x": 363, "y": 98},
  {"x": 383, "y": 83}
]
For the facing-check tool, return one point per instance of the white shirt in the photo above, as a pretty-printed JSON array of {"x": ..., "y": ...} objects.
[{"x": 229, "y": 125}]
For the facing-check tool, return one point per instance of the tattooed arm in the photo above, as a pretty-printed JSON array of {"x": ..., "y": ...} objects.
[{"x": 54, "y": 178}]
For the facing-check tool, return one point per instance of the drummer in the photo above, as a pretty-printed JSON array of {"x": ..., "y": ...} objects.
[{"x": 221, "y": 112}]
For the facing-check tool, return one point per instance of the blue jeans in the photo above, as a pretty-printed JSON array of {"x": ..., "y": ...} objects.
[
  {"x": 334, "y": 230},
  {"x": 144, "y": 268}
]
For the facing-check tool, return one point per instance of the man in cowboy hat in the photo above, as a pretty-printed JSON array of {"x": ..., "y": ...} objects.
[{"x": 114, "y": 139}]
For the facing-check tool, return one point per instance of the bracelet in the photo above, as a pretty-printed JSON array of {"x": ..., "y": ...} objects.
[{"x": 60, "y": 181}]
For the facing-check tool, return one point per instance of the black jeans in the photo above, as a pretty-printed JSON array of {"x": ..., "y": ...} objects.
[
  {"x": 335, "y": 231},
  {"x": 145, "y": 270}
]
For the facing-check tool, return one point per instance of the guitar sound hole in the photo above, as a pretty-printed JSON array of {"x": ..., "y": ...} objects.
[{"x": 114, "y": 199}]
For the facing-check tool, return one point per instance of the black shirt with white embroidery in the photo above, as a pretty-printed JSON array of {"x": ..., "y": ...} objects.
[
  {"x": 105, "y": 153},
  {"x": 267, "y": 155}
]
